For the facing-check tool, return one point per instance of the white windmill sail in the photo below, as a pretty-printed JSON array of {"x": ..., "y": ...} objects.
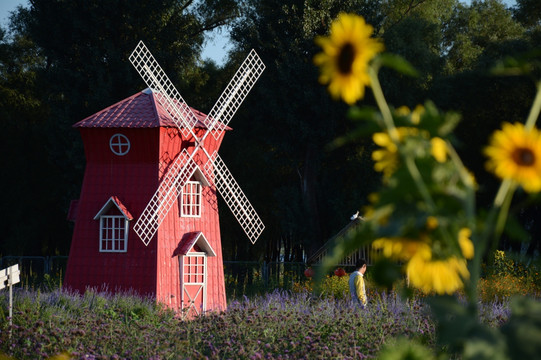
[
  {"x": 220, "y": 115},
  {"x": 236, "y": 91},
  {"x": 180, "y": 171},
  {"x": 235, "y": 199},
  {"x": 166, "y": 93}
]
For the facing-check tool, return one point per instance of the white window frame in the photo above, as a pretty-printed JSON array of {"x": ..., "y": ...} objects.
[
  {"x": 192, "y": 190},
  {"x": 114, "y": 232},
  {"x": 119, "y": 144}
]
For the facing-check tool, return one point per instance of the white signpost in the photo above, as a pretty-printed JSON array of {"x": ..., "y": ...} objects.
[{"x": 8, "y": 277}]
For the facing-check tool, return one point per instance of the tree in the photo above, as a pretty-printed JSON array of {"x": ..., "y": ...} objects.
[
  {"x": 477, "y": 38},
  {"x": 473, "y": 28},
  {"x": 67, "y": 60},
  {"x": 306, "y": 192},
  {"x": 27, "y": 176}
]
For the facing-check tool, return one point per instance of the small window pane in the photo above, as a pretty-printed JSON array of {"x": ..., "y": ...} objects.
[
  {"x": 113, "y": 234},
  {"x": 190, "y": 199}
]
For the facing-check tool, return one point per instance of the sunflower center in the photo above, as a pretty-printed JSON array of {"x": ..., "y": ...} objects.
[
  {"x": 524, "y": 157},
  {"x": 345, "y": 58}
]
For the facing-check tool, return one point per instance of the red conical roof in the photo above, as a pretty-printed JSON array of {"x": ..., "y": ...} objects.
[{"x": 141, "y": 110}]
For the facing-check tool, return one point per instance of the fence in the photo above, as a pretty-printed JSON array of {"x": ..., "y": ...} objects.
[
  {"x": 241, "y": 277},
  {"x": 34, "y": 268}
]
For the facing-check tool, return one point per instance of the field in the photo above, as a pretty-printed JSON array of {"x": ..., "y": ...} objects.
[{"x": 280, "y": 324}]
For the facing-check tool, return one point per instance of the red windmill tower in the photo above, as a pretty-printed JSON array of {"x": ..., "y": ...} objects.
[{"x": 153, "y": 145}]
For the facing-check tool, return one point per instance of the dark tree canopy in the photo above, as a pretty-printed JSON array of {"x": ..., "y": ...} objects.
[{"x": 62, "y": 60}]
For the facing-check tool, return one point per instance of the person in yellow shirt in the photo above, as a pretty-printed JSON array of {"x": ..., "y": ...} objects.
[{"x": 356, "y": 283}]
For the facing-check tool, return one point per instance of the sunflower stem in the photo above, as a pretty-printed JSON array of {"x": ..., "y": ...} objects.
[
  {"x": 382, "y": 104},
  {"x": 503, "y": 213},
  {"x": 393, "y": 133},
  {"x": 534, "y": 110},
  {"x": 421, "y": 186},
  {"x": 468, "y": 180},
  {"x": 502, "y": 192}
]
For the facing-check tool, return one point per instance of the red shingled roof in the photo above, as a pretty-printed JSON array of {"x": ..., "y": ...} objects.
[
  {"x": 120, "y": 206},
  {"x": 194, "y": 238},
  {"x": 141, "y": 110}
]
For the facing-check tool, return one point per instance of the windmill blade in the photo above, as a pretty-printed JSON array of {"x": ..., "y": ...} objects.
[
  {"x": 236, "y": 200},
  {"x": 170, "y": 186},
  {"x": 235, "y": 92},
  {"x": 166, "y": 93}
]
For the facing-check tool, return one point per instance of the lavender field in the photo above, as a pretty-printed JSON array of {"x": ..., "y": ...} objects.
[{"x": 278, "y": 325}]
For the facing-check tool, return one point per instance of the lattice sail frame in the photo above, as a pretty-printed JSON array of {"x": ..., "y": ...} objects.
[
  {"x": 180, "y": 171},
  {"x": 235, "y": 199},
  {"x": 220, "y": 115},
  {"x": 156, "y": 79}
]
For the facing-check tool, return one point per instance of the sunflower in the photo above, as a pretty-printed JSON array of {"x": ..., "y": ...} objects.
[
  {"x": 345, "y": 57},
  {"x": 387, "y": 158},
  {"x": 444, "y": 276},
  {"x": 515, "y": 153},
  {"x": 397, "y": 248}
]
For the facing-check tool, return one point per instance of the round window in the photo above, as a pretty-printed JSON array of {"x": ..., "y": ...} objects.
[{"x": 119, "y": 144}]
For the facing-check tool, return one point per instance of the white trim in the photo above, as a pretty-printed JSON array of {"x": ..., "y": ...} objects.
[
  {"x": 119, "y": 144},
  {"x": 194, "y": 206},
  {"x": 106, "y": 208},
  {"x": 189, "y": 240},
  {"x": 117, "y": 240},
  {"x": 199, "y": 176},
  {"x": 201, "y": 286}
]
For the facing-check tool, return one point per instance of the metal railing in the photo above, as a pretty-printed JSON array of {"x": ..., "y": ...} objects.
[
  {"x": 241, "y": 277},
  {"x": 39, "y": 265}
]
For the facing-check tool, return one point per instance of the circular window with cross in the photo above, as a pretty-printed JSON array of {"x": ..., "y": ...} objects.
[{"x": 119, "y": 144}]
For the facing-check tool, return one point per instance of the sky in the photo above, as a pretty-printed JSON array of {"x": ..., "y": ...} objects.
[{"x": 216, "y": 46}]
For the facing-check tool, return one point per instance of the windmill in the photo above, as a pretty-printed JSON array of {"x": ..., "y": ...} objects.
[
  {"x": 153, "y": 145},
  {"x": 184, "y": 166}
]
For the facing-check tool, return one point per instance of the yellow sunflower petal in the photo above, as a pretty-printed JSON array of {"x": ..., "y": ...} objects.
[
  {"x": 441, "y": 276},
  {"x": 438, "y": 149},
  {"x": 465, "y": 243}
]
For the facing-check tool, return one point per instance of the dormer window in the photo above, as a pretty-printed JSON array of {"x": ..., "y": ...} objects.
[
  {"x": 190, "y": 198},
  {"x": 114, "y": 220}
]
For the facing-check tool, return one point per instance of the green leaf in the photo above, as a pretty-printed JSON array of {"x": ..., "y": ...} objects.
[
  {"x": 386, "y": 273},
  {"x": 397, "y": 63},
  {"x": 523, "y": 330},
  {"x": 458, "y": 327},
  {"x": 522, "y": 64},
  {"x": 368, "y": 119},
  {"x": 404, "y": 348}
]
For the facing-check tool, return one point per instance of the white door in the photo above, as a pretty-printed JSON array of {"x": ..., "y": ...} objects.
[{"x": 193, "y": 274}]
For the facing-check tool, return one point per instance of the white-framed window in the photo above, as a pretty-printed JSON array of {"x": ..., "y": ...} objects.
[
  {"x": 190, "y": 199},
  {"x": 113, "y": 233},
  {"x": 194, "y": 268},
  {"x": 119, "y": 144}
]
